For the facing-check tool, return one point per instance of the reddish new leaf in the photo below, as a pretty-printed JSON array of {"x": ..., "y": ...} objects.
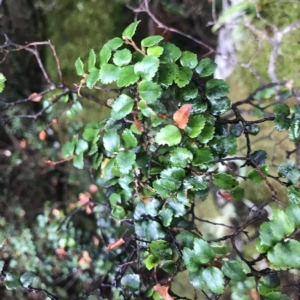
[
  {"x": 50, "y": 162},
  {"x": 138, "y": 124},
  {"x": 162, "y": 291},
  {"x": 42, "y": 135},
  {"x": 181, "y": 116},
  {"x": 34, "y": 97},
  {"x": 115, "y": 244}
]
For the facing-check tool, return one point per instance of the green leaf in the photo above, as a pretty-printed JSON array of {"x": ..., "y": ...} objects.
[
  {"x": 202, "y": 156},
  {"x": 97, "y": 160},
  {"x": 281, "y": 109},
  {"x": 293, "y": 176},
  {"x": 169, "y": 135},
  {"x": 81, "y": 146},
  {"x": 180, "y": 157},
  {"x": 118, "y": 212},
  {"x": 264, "y": 94},
  {"x": 220, "y": 106},
  {"x": 78, "y": 161},
  {"x": 236, "y": 130},
  {"x": 171, "y": 53},
  {"x": 233, "y": 270},
  {"x": 210, "y": 277},
  {"x": 293, "y": 194},
  {"x": 114, "y": 43},
  {"x": 224, "y": 181},
  {"x": 79, "y": 67},
  {"x": 127, "y": 76},
  {"x": 183, "y": 77},
  {"x": 285, "y": 255},
  {"x": 104, "y": 55},
  {"x": 111, "y": 141},
  {"x": 151, "y": 40},
  {"x": 169, "y": 266},
  {"x": 186, "y": 239},
  {"x": 293, "y": 213},
  {"x": 149, "y": 91},
  {"x": 122, "y": 57},
  {"x": 125, "y": 161},
  {"x": 206, "y": 134},
  {"x": 91, "y": 131},
  {"x": 129, "y": 139},
  {"x": 206, "y": 67},
  {"x": 147, "y": 68},
  {"x": 295, "y": 110},
  {"x": 175, "y": 174},
  {"x": 155, "y": 51},
  {"x": 27, "y": 278},
  {"x": 195, "y": 125},
  {"x": 161, "y": 249},
  {"x": 151, "y": 262},
  {"x": 189, "y": 92},
  {"x": 129, "y": 31},
  {"x": 255, "y": 176},
  {"x": 188, "y": 59},
  {"x": 224, "y": 145},
  {"x": 259, "y": 157},
  {"x": 143, "y": 209},
  {"x": 238, "y": 193},
  {"x": 92, "y": 60},
  {"x": 285, "y": 168},
  {"x": 131, "y": 281},
  {"x": 166, "y": 216},
  {"x": 109, "y": 73},
  {"x": 282, "y": 123},
  {"x": 294, "y": 131},
  {"x": 68, "y": 149},
  {"x": 276, "y": 296},
  {"x": 12, "y": 281},
  {"x": 216, "y": 89},
  {"x": 121, "y": 107},
  {"x": 164, "y": 187},
  {"x": 196, "y": 183},
  {"x": 2, "y": 80},
  {"x": 93, "y": 77},
  {"x": 167, "y": 73}
]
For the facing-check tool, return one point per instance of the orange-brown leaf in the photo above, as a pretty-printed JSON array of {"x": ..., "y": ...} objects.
[
  {"x": 115, "y": 244},
  {"x": 42, "y": 135},
  {"x": 34, "y": 97},
  {"x": 50, "y": 162},
  {"x": 181, "y": 116},
  {"x": 162, "y": 291},
  {"x": 225, "y": 194},
  {"x": 138, "y": 124}
]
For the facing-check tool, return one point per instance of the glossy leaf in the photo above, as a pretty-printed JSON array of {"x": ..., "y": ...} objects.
[
  {"x": 78, "y": 161},
  {"x": 224, "y": 145},
  {"x": 122, "y": 57},
  {"x": 238, "y": 193},
  {"x": 129, "y": 31},
  {"x": 195, "y": 125},
  {"x": 281, "y": 109},
  {"x": 169, "y": 135},
  {"x": 81, "y": 146},
  {"x": 171, "y": 53},
  {"x": 196, "y": 183},
  {"x": 224, "y": 181},
  {"x": 125, "y": 161},
  {"x": 202, "y": 156},
  {"x": 255, "y": 176},
  {"x": 190, "y": 92},
  {"x": 68, "y": 149},
  {"x": 188, "y": 59},
  {"x": 79, "y": 67},
  {"x": 206, "y": 134},
  {"x": 155, "y": 51},
  {"x": 129, "y": 139},
  {"x": 293, "y": 194},
  {"x": 259, "y": 157},
  {"x": 127, "y": 76},
  {"x": 151, "y": 262},
  {"x": 109, "y": 73},
  {"x": 2, "y": 82},
  {"x": 27, "y": 278},
  {"x": 131, "y": 282},
  {"x": 216, "y": 89},
  {"x": 294, "y": 131},
  {"x": 121, "y": 107},
  {"x": 180, "y": 157},
  {"x": 118, "y": 212},
  {"x": 167, "y": 73},
  {"x": 92, "y": 60},
  {"x": 161, "y": 249},
  {"x": 236, "y": 130},
  {"x": 166, "y": 216},
  {"x": 151, "y": 40},
  {"x": 105, "y": 55},
  {"x": 233, "y": 270},
  {"x": 293, "y": 213},
  {"x": 114, "y": 43},
  {"x": 276, "y": 296},
  {"x": 111, "y": 141},
  {"x": 183, "y": 77},
  {"x": 147, "y": 68},
  {"x": 93, "y": 77},
  {"x": 12, "y": 281},
  {"x": 149, "y": 91},
  {"x": 206, "y": 67}
]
